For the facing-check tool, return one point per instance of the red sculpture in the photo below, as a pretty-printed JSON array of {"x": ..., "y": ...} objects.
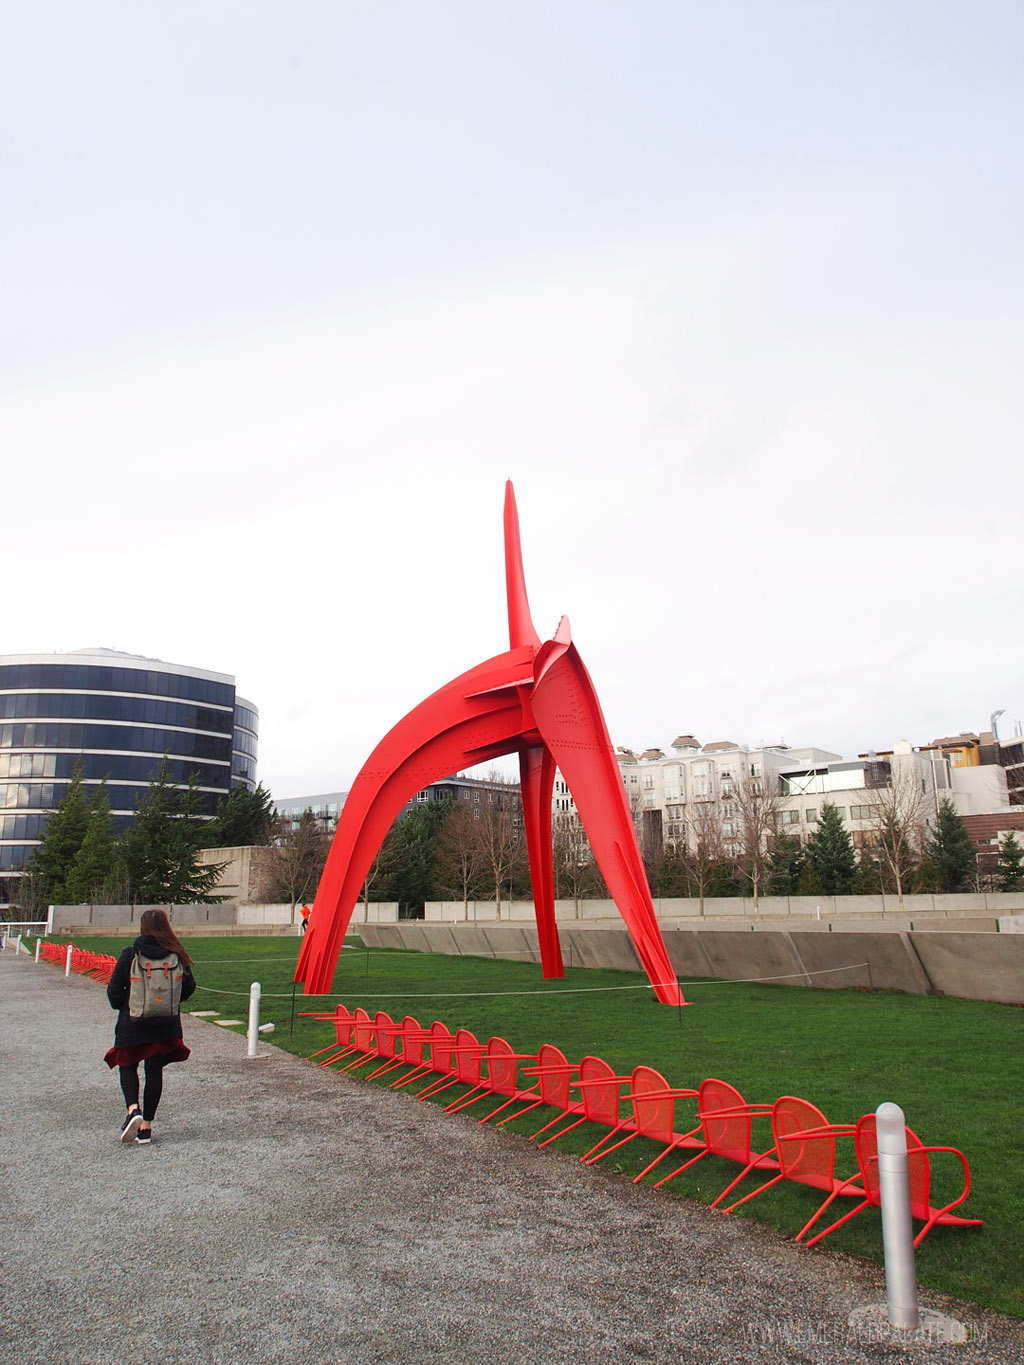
[{"x": 535, "y": 700}]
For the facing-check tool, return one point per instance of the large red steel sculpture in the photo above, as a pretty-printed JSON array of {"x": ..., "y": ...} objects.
[{"x": 535, "y": 700}]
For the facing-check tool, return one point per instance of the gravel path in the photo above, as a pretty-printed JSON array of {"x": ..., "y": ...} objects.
[{"x": 287, "y": 1216}]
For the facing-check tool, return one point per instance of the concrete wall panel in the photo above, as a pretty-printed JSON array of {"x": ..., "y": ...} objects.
[
  {"x": 511, "y": 943},
  {"x": 892, "y": 963},
  {"x": 471, "y": 940},
  {"x": 992, "y": 968},
  {"x": 686, "y": 953},
  {"x": 739, "y": 956},
  {"x": 439, "y": 939}
]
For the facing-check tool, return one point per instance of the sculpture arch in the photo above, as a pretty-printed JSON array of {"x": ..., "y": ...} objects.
[{"x": 535, "y": 700}]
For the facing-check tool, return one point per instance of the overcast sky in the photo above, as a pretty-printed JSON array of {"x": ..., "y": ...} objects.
[{"x": 731, "y": 291}]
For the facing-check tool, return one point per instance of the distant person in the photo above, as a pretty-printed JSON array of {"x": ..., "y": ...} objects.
[
  {"x": 305, "y": 918},
  {"x": 156, "y": 1040}
]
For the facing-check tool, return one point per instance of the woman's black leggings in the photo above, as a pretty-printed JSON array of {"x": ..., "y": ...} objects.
[{"x": 153, "y": 1089}]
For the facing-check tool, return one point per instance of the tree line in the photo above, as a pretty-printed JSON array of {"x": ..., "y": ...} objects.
[
  {"x": 82, "y": 859},
  {"x": 449, "y": 850}
]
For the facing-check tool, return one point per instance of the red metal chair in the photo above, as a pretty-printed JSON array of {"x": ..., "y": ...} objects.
[
  {"x": 384, "y": 1039},
  {"x": 441, "y": 1043},
  {"x": 360, "y": 1042},
  {"x": 805, "y": 1148},
  {"x": 343, "y": 1021},
  {"x": 725, "y": 1120},
  {"x": 599, "y": 1099},
  {"x": 919, "y": 1170},
  {"x": 653, "y": 1117},
  {"x": 554, "y": 1077},
  {"x": 413, "y": 1038},
  {"x": 502, "y": 1079},
  {"x": 465, "y": 1064}
]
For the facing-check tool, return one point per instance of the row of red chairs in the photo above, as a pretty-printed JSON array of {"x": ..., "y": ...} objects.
[
  {"x": 99, "y": 966},
  {"x": 803, "y": 1148}
]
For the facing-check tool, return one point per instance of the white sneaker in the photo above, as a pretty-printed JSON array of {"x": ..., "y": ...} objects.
[{"x": 131, "y": 1126}]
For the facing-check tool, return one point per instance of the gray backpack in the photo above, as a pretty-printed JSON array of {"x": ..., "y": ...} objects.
[{"x": 155, "y": 991}]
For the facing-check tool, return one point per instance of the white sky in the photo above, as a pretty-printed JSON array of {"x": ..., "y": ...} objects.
[{"x": 731, "y": 291}]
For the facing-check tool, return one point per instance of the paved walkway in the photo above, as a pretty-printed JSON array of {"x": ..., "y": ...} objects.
[{"x": 286, "y": 1216}]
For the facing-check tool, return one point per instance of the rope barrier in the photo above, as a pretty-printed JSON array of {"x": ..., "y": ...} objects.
[{"x": 555, "y": 990}]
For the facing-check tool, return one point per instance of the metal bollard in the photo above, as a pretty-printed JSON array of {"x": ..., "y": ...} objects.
[
  {"x": 254, "y": 1018},
  {"x": 897, "y": 1223},
  {"x": 39, "y": 944},
  {"x": 67, "y": 964}
]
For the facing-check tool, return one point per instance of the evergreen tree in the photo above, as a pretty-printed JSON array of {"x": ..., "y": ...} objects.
[
  {"x": 413, "y": 880},
  {"x": 160, "y": 852},
  {"x": 785, "y": 863},
  {"x": 950, "y": 851},
  {"x": 1010, "y": 868},
  {"x": 244, "y": 819},
  {"x": 830, "y": 851},
  {"x": 94, "y": 871},
  {"x": 51, "y": 862}
]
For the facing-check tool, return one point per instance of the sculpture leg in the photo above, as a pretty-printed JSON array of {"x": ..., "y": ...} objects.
[
  {"x": 568, "y": 716},
  {"x": 473, "y": 719},
  {"x": 536, "y": 779}
]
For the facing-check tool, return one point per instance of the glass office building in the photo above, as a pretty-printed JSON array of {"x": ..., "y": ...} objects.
[{"x": 118, "y": 716}]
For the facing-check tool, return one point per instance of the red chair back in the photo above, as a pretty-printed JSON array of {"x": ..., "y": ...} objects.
[
  {"x": 414, "y": 1041},
  {"x": 386, "y": 1034},
  {"x": 555, "y": 1075},
  {"x": 501, "y": 1067},
  {"x": 362, "y": 1030},
  {"x": 468, "y": 1056},
  {"x": 804, "y": 1156},
  {"x": 653, "y": 1107},
  {"x": 343, "y": 1025},
  {"x": 600, "y": 1091},
  {"x": 726, "y": 1130},
  {"x": 442, "y": 1048}
]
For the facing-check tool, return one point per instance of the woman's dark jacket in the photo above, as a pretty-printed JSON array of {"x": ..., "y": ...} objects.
[{"x": 130, "y": 1032}]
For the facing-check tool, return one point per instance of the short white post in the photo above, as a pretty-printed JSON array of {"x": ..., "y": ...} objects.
[
  {"x": 897, "y": 1223},
  {"x": 254, "y": 1018},
  {"x": 67, "y": 963},
  {"x": 17, "y": 947},
  {"x": 39, "y": 944}
]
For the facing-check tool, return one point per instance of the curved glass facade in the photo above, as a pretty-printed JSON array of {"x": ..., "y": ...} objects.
[{"x": 118, "y": 716}]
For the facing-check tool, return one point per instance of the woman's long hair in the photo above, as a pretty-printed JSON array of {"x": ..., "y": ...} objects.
[{"x": 156, "y": 924}]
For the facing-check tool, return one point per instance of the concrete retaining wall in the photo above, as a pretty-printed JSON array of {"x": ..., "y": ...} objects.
[
  {"x": 975, "y": 966},
  {"x": 979, "y": 909}
]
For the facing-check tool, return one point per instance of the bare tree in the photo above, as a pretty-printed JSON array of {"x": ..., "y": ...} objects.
[
  {"x": 898, "y": 817},
  {"x": 461, "y": 862},
  {"x": 577, "y": 875},
  {"x": 704, "y": 844},
  {"x": 758, "y": 802},
  {"x": 292, "y": 867},
  {"x": 500, "y": 827}
]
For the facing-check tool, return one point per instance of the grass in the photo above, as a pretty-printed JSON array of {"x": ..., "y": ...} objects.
[{"x": 954, "y": 1066}]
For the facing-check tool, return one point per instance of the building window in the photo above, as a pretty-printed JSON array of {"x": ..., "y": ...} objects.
[
  {"x": 811, "y": 815},
  {"x": 789, "y": 817},
  {"x": 861, "y": 812}
]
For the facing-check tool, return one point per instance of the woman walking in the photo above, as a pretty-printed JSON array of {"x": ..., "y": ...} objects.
[{"x": 153, "y": 1041}]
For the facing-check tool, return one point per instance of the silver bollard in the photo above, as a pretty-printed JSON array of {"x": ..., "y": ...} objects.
[
  {"x": 254, "y": 1018},
  {"x": 39, "y": 944},
  {"x": 67, "y": 964},
  {"x": 897, "y": 1223}
]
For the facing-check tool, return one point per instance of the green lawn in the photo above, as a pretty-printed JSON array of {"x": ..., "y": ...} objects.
[{"x": 956, "y": 1067}]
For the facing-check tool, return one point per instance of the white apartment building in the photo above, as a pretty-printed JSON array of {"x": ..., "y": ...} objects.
[{"x": 671, "y": 789}]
